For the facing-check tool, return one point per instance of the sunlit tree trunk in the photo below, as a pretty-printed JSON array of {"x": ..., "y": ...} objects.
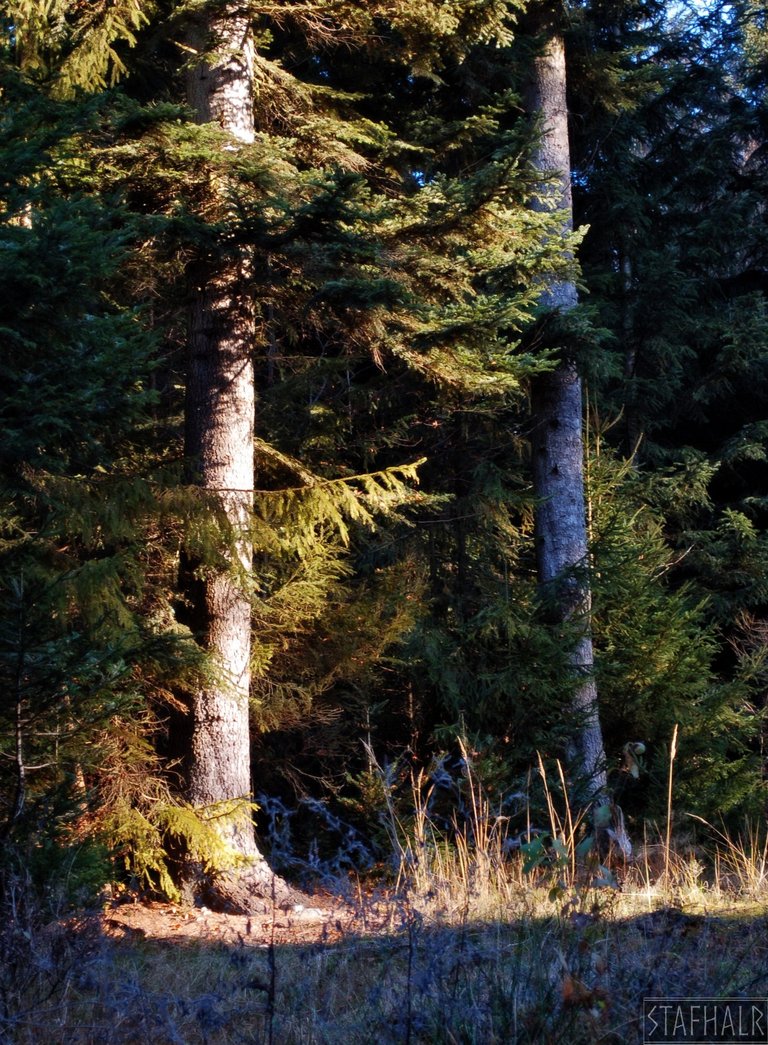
[
  {"x": 219, "y": 446},
  {"x": 557, "y": 443}
]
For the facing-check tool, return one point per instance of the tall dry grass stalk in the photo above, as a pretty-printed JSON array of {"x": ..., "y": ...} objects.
[
  {"x": 672, "y": 755},
  {"x": 564, "y": 828}
]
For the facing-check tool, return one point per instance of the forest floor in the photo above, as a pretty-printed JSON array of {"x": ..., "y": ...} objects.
[
  {"x": 394, "y": 970},
  {"x": 384, "y": 968},
  {"x": 327, "y": 921}
]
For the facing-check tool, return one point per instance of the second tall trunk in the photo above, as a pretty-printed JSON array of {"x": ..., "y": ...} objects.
[{"x": 557, "y": 442}]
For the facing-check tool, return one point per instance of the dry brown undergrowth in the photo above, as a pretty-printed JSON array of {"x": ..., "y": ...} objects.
[{"x": 327, "y": 922}]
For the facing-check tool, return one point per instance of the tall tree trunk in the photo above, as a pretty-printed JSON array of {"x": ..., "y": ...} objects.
[
  {"x": 219, "y": 445},
  {"x": 557, "y": 443}
]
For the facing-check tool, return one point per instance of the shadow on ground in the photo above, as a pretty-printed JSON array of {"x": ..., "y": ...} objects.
[{"x": 373, "y": 975}]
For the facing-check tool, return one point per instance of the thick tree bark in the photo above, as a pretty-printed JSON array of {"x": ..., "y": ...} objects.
[
  {"x": 219, "y": 446},
  {"x": 557, "y": 442}
]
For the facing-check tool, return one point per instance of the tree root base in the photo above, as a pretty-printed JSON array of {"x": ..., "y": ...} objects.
[{"x": 251, "y": 890}]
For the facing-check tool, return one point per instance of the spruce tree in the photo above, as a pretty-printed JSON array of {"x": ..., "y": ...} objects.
[{"x": 220, "y": 381}]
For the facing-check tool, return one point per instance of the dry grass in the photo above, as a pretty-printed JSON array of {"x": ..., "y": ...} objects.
[
  {"x": 537, "y": 972},
  {"x": 474, "y": 942}
]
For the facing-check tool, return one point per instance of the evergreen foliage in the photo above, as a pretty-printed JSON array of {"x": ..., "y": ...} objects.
[
  {"x": 396, "y": 269},
  {"x": 657, "y": 649}
]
